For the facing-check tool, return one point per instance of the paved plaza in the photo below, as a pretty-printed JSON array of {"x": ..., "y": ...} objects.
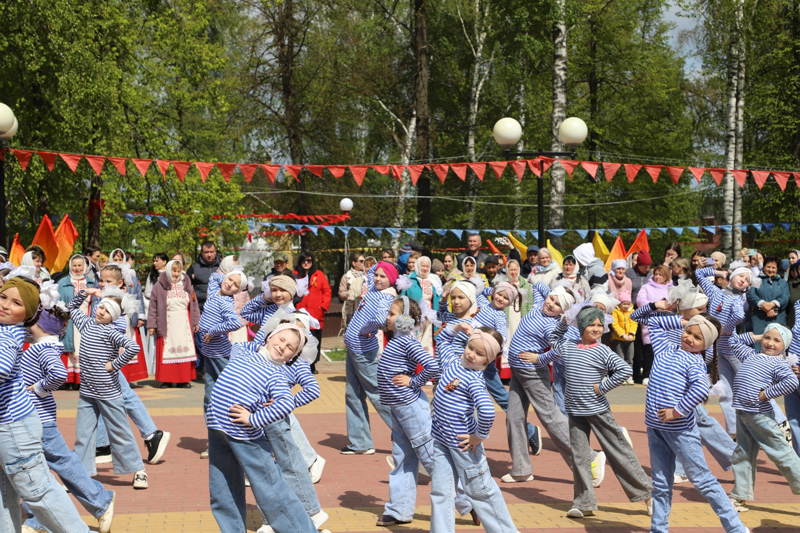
[{"x": 354, "y": 489}]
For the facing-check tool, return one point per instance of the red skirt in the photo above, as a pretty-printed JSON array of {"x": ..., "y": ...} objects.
[
  {"x": 138, "y": 370},
  {"x": 175, "y": 372},
  {"x": 73, "y": 376}
]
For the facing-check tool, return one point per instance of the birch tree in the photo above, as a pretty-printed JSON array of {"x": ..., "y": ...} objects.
[{"x": 557, "y": 173}]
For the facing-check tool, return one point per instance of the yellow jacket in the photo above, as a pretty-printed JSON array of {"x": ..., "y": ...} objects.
[{"x": 623, "y": 325}]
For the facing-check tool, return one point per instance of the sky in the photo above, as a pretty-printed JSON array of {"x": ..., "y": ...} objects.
[{"x": 682, "y": 23}]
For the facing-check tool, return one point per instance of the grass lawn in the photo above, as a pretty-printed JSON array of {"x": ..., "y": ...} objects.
[{"x": 337, "y": 354}]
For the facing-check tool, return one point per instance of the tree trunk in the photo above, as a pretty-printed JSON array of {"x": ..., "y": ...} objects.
[
  {"x": 740, "y": 94},
  {"x": 405, "y": 183},
  {"x": 728, "y": 183},
  {"x": 520, "y": 148},
  {"x": 423, "y": 119},
  {"x": 96, "y": 213},
  {"x": 557, "y": 173}
]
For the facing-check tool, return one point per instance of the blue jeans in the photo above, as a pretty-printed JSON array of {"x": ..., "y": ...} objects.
[
  {"x": 63, "y": 461},
  {"x": 136, "y": 410},
  {"x": 361, "y": 371},
  {"x": 451, "y": 466},
  {"x": 728, "y": 367},
  {"x": 124, "y": 450},
  {"x": 412, "y": 444},
  {"x": 214, "y": 367},
  {"x": 559, "y": 385},
  {"x": 756, "y": 431},
  {"x": 27, "y": 477},
  {"x": 292, "y": 465},
  {"x": 665, "y": 446},
  {"x": 498, "y": 391},
  {"x": 713, "y": 437},
  {"x": 229, "y": 460},
  {"x": 300, "y": 439},
  {"x": 792, "y": 404}
]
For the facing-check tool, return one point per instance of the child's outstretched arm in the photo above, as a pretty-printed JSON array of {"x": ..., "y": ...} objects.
[
  {"x": 445, "y": 352},
  {"x": 741, "y": 345},
  {"x": 558, "y": 341},
  {"x": 79, "y": 319},
  {"x": 53, "y": 370},
  {"x": 540, "y": 293},
  {"x": 659, "y": 325},
  {"x": 256, "y": 309}
]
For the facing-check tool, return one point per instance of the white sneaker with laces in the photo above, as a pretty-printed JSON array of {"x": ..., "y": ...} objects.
[
  {"x": 140, "y": 480},
  {"x": 577, "y": 513},
  {"x": 508, "y": 478},
  {"x": 316, "y": 469},
  {"x": 105, "y": 520},
  {"x": 319, "y": 518},
  {"x": 677, "y": 480}
]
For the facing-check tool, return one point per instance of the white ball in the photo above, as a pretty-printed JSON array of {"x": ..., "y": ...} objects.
[
  {"x": 346, "y": 204},
  {"x": 10, "y": 132},
  {"x": 6, "y": 118}
]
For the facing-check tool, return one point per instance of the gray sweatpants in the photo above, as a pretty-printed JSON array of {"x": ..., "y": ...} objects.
[
  {"x": 619, "y": 454},
  {"x": 531, "y": 386}
]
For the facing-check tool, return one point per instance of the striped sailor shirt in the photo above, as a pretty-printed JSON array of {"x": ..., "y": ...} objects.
[
  {"x": 359, "y": 337},
  {"x": 758, "y": 372},
  {"x": 15, "y": 404},
  {"x": 218, "y": 319},
  {"x": 723, "y": 305},
  {"x": 401, "y": 356},
  {"x": 42, "y": 367}
]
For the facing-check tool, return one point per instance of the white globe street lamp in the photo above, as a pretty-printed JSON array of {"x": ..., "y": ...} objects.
[
  {"x": 346, "y": 204},
  {"x": 8, "y": 128},
  {"x": 507, "y": 132}
]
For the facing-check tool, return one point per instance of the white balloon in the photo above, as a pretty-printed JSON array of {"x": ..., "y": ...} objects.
[{"x": 346, "y": 204}]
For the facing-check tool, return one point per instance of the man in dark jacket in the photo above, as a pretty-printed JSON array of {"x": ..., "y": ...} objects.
[
  {"x": 201, "y": 271},
  {"x": 474, "y": 251},
  {"x": 531, "y": 258}
]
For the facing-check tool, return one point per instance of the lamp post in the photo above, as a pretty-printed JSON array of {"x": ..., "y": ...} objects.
[
  {"x": 507, "y": 133},
  {"x": 8, "y": 127}
]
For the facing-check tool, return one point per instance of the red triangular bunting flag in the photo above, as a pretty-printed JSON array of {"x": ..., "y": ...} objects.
[
  {"x": 397, "y": 172},
  {"x": 740, "y": 176},
  {"x": 49, "y": 159},
  {"x": 315, "y": 169},
  {"x": 609, "y": 169},
  {"x": 519, "y": 168},
  {"x": 460, "y": 170},
  {"x": 797, "y": 178},
  {"x": 227, "y": 170},
  {"x": 590, "y": 167},
  {"x": 336, "y": 170},
  {"x": 441, "y": 171},
  {"x": 23, "y": 157},
  {"x": 415, "y": 171},
  {"x": 631, "y": 171},
  {"x": 499, "y": 167},
  {"x": 144, "y": 164},
  {"x": 204, "y": 168},
  {"x": 96, "y": 162},
  {"x": 163, "y": 166},
  {"x": 380, "y": 169},
  {"x": 717, "y": 174},
  {"x": 71, "y": 160},
  {"x": 536, "y": 166},
  {"x": 654, "y": 171},
  {"x": 569, "y": 166},
  {"x": 247, "y": 170},
  {"x": 478, "y": 168},
  {"x": 119, "y": 164},
  {"x": 359, "y": 172},
  {"x": 271, "y": 171},
  {"x": 760, "y": 176},
  {"x": 294, "y": 170},
  {"x": 675, "y": 174},
  {"x": 782, "y": 178},
  {"x": 697, "y": 173},
  {"x": 545, "y": 162},
  {"x": 181, "y": 168}
]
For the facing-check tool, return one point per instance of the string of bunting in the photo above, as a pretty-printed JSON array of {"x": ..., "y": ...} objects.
[{"x": 358, "y": 172}]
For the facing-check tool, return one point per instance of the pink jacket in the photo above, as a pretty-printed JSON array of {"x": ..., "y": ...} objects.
[{"x": 651, "y": 292}]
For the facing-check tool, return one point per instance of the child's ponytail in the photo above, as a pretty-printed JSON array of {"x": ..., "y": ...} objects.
[{"x": 713, "y": 366}]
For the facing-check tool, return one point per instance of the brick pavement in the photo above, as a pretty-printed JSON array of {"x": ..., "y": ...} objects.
[{"x": 354, "y": 488}]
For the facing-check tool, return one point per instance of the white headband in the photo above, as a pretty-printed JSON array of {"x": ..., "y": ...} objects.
[
  {"x": 111, "y": 307},
  {"x": 564, "y": 298},
  {"x": 709, "y": 331}
]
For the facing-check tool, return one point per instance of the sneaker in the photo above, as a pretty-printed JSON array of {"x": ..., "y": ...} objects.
[
  {"x": 246, "y": 481},
  {"x": 156, "y": 446},
  {"x": 677, "y": 479},
  {"x": 266, "y": 528},
  {"x": 319, "y": 518},
  {"x": 390, "y": 460},
  {"x": 535, "y": 442},
  {"x": 349, "y": 451},
  {"x": 598, "y": 469},
  {"x": 649, "y": 504},
  {"x": 316, "y": 469},
  {"x": 508, "y": 478},
  {"x": 107, "y": 517},
  {"x": 140, "y": 480},
  {"x": 577, "y": 513},
  {"x": 787, "y": 431},
  {"x": 102, "y": 455},
  {"x": 645, "y": 381},
  {"x": 739, "y": 505},
  {"x": 629, "y": 381},
  {"x": 626, "y": 435},
  {"x": 388, "y": 521},
  {"x": 29, "y": 529},
  {"x": 204, "y": 455}
]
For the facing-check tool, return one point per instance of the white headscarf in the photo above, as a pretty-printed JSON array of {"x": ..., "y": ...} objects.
[
  {"x": 111, "y": 256},
  {"x": 168, "y": 271},
  {"x": 85, "y": 266},
  {"x": 227, "y": 265},
  {"x": 433, "y": 278},
  {"x": 584, "y": 253},
  {"x": 27, "y": 259}
]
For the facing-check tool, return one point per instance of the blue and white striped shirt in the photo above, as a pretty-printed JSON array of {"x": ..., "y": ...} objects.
[
  {"x": 486, "y": 316},
  {"x": 258, "y": 311},
  {"x": 15, "y": 404},
  {"x": 670, "y": 323},
  {"x": 533, "y": 332},
  {"x": 300, "y": 374},
  {"x": 723, "y": 305},
  {"x": 249, "y": 380},
  {"x": 758, "y": 372},
  {"x": 42, "y": 367},
  {"x": 100, "y": 344},
  {"x": 794, "y": 347},
  {"x": 359, "y": 337},
  {"x": 677, "y": 380},
  {"x": 218, "y": 319},
  {"x": 401, "y": 356},
  {"x": 460, "y": 393},
  {"x": 586, "y": 365}
]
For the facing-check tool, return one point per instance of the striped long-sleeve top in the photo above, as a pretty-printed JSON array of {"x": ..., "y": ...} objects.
[
  {"x": 677, "y": 380},
  {"x": 723, "y": 305},
  {"x": 401, "y": 356},
  {"x": 258, "y": 311},
  {"x": 218, "y": 319},
  {"x": 794, "y": 347},
  {"x": 533, "y": 332},
  {"x": 368, "y": 319},
  {"x": 460, "y": 393},
  {"x": 299, "y": 373},
  {"x": 250, "y": 380},
  {"x": 100, "y": 344},
  {"x": 586, "y": 365},
  {"x": 15, "y": 404},
  {"x": 486, "y": 316},
  {"x": 758, "y": 372},
  {"x": 42, "y": 368},
  {"x": 671, "y": 324}
]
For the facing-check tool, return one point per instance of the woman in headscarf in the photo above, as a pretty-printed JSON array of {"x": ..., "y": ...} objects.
[
  {"x": 318, "y": 298},
  {"x": 545, "y": 270},
  {"x": 350, "y": 286},
  {"x": 425, "y": 289},
  {"x": 35, "y": 257},
  {"x": 571, "y": 275},
  {"x": 451, "y": 271},
  {"x": 173, "y": 317},
  {"x": 768, "y": 301},
  {"x": 469, "y": 269},
  {"x": 68, "y": 287},
  {"x": 521, "y": 305}
]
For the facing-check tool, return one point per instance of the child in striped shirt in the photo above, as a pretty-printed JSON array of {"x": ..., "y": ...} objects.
[
  {"x": 282, "y": 289},
  {"x": 458, "y": 455},
  {"x": 101, "y": 394},
  {"x": 792, "y": 401},
  {"x": 762, "y": 377},
  {"x": 677, "y": 385},
  {"x": 592, "y": 370}
]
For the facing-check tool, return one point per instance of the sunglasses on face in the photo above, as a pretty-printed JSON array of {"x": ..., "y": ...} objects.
[{"x": 307, "y": 261}]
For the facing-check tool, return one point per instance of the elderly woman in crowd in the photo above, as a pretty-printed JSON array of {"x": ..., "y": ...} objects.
[
  {"x": 571, "y": 278},
  {"x": 768, "y": 302},
  {"x": 545, "y": 270}
]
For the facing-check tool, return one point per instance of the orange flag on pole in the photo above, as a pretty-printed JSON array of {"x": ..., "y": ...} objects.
[
  {"x": 66, "y": 235},
  {"x": 17, "y": 251},
  {"x": 46, "y": 239},
  {"x": 496, "y": 251},
  {"x": 639, "y": 244},
  {"x": 617, "y": 252}
]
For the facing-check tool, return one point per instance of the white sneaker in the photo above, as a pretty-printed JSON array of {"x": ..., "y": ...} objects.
[
  {"x": 629, "y": 381},
  {"x": 316, "y": 469},
  {"x": 319, "y": 518},
  {"x": 649, "y": 504},
  {"x": 204, "y": 455},
  {"x": 598, "y": 469},
  {"x": 577, "y": 513},
  {"x": 140, "y": 480},
  {"x": 390, "y": 460},
  {"x": 508, "y": 478},
  {"x": 739, "y": 505},
  {"x": 246, "y": 481},
  {"x": 626, "y": 435},
  {"x": 104, "y": 522},
  {"x": 29, "y": 529},
  {"x": 265, "y": 529},
  {"x": 645, "y": 381},
  {"x": 677, "y": 480}
]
